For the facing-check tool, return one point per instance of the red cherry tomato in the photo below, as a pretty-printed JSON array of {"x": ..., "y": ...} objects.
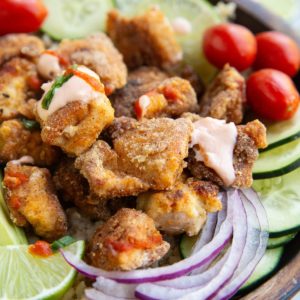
[
  {"x": 277, "y": 51},
  {"x": 229, "y": 43},
  {"x": 21, "y": 15},
  {"x": 272, "y": 95}
]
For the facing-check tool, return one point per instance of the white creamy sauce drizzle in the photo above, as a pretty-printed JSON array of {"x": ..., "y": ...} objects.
[
  {"x": 48, "y": 66},
  {"x": 181, "y": 26},
  {"x": 216, "y": 141},
  {"x": 23, "y": 160},
  {"x": 75, "y": 89},
  {"x": 144, "y": 102}
]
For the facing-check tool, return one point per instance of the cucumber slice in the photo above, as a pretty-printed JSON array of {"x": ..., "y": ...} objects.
[
  {"x": 199, "y": 13},
  {"x": 280, "y": 133},
  {"x": 280, "y": 241},
  {"x": 75, "y": 18},
  {"x": 281, "y": 199},
  {"x": 264, "y": 269},
  {"x": 278, "y": 161},
  {"x": 186, "y": 245}
]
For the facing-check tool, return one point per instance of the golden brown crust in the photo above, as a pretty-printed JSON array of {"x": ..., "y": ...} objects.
[
  {"x": 170, "y": 98},
  {"x": 144, "y": 40},
  {"x": 127, "y": 241},
  {"x": 76, "y": 126},
  {"x": 23, "y": 45},
  {"x": 153, "y": 150},
  {"x": 225, "y": 97},
  {"x": 98, "y": 53},
  {"x": 15, "y": 88},
  {"x": 250, "y": 137},
  {"x": 17, "y": 141},
  {"x": 31, "y": 200},
  {"x": 140, "y": 81},
  {"x": 183, "y": 208}
]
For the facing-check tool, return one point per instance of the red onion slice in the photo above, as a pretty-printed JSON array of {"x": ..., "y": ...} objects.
[
  {"x": 93, "y": 294},
  {"x": 115, "y": 289},
  {"x": 248, "y": 264},
  {"x": 237, "y": 215}
]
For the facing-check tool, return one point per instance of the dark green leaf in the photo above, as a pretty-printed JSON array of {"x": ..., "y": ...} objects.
[
  {"x": 59, "y": 81},
  {"x": 30, "y": 124},
  {"x": 63, "y": 242}
]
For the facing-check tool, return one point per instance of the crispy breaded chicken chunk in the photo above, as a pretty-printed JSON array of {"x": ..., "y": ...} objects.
[
  {"x": 31, "y": 200},
  {"x": 183, "y": 208},
  {"x": 171, "y": 98},
  {"x": 98, "y": 53},
  {"x": 74, "y": 188},
  {"x": 140, "y": 81},
  {"x": 16, "y": 87},
  {"x": 127, "y": 241},
  {"x": 22, "y": 45},
  {"x": 147, "y": 154},
  {"x": 250, "y": 138},
  {"x": 17, "y": 141},
  {"x": 77, "y": 113},
  {"x": 225, "y": 97},
  {"x": 147, "y": 39}
]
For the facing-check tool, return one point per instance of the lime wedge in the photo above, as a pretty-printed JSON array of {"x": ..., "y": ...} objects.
[
  {"x": 200, "y": 14},
  {"x": 25, "y": 276},
  {"x": 9, "y": 233}
]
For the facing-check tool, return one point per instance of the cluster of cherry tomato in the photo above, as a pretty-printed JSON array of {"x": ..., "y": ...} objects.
[{"x": 275, "y": 58}]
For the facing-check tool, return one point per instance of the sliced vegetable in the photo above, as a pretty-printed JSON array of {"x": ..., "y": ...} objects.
[
  {"x": 229, "y": 43},
  {"x": 280, "y": 241},
  {"x": 233, "y": 267},
  {"x": 10, "y": 234},
  {"x": 21, "y": 16},
  {"x": 27, "y": 276},
  {"x": 264, "y": 269},
  {"x": 280, "y": 133},
  {"x": 199, "y": 14},
  {"x": 76, "y": 18},
  {"x": 281, "y": 199},
  {"x": 272, "y": 95},
  {"x": 285, "y": 53},
  {"x": 30, "y": 124},
  {"x": 59, "y": 81},
  {"x": 63, "y": 242},
  {"x": 278, "y": 161}
]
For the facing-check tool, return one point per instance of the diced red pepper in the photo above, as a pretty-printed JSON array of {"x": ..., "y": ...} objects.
[{"x": 40, "y": 248}]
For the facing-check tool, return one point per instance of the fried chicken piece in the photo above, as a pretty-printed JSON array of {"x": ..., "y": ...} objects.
[
  {"x": 100, "y": 166},
  {"x": 140, "y": 81},
  {"x": 98, "y": 53},
  {"x": 171, "y": 98},
  {"x": 75, "y": 124},
  {"x": 16, "y": 77},
  {"x": 127, "y": 241},
  {"x": 144, "y": 40},
  {"x": 250, "y": 138},
  {"x": 23, "y": 45},
  {"x": 31, "y": 200},
  {"x": 17, "y": 141},
  {"x": 74, "y": 188},
  {"x": 183, "y": 208},
  {"x": 225, "y": 97},
  {"x": 147, "y": 154}
]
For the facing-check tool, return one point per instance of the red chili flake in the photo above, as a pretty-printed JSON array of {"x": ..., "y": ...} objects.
[
  {"x": 40, "y": 248},
  {"x": 170, "y": 93}
]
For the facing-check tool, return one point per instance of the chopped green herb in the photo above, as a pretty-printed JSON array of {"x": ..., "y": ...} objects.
[
  {"x": 63, "y": 242},
  {"x": 59, "y": 81},
  {"x": 30, "y": 124}
]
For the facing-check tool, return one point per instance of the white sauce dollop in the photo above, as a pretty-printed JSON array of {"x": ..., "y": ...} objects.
[
  {"x": 48, "y": 66},
  {"x": 181, "y": 26},
  {"x": 216, "y": 141},
  {"x": 75, "y": 89}
]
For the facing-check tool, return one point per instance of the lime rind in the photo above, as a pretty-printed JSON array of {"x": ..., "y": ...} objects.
[{"x": 29, "y": 277}]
